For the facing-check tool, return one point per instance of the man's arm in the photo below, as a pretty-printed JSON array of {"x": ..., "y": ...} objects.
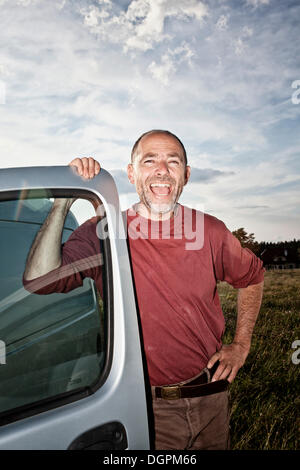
[
  {"x": 45, "y": 252},
  {"x": 233, "y": 356}
]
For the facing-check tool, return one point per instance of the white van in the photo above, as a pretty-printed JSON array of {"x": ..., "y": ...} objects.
[{"x": 71, "y": 365}]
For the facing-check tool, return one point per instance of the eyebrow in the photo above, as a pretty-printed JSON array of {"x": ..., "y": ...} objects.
[
  {"x": 149, "y": 154},
  {"x": 170, "y": 155}
]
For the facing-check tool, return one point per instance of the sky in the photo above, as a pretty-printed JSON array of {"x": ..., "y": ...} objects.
[{"x": 86, "y": 78}]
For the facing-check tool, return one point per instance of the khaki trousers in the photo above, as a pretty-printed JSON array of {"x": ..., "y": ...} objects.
[{"x": 200, "y": 423}]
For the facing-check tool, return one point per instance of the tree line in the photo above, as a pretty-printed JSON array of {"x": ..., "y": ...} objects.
[{"x": 287, "y": 252}]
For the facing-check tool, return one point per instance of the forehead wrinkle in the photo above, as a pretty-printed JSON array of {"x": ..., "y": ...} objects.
[
  {"x": 150, "y": 154},
  {"x": 156, "y": 154}
]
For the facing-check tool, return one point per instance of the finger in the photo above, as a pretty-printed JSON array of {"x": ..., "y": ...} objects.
[
  {"x": 77, "y": 163},
  {"x": 232, "y": 376},
  {"x": 85, "y": 165},
  {"x": 218, "y": 372},
  {"x": 94, "y": 167},
  {"x": 226, "y": 372},
  {"x": 213, "y": 360},
  {"x": 90, "y": 167},
  {"x": 97, "y": 167}
]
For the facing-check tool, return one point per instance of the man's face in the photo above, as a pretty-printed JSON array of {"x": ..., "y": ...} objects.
[{"x": 159, "y": 174}]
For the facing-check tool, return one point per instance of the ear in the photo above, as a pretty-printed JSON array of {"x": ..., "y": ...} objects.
[
  {"x": 130, "y": 173},
  {"x": 187, "y": 174}
]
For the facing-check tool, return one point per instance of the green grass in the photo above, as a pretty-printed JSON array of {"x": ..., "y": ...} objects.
[{"x": 265, "y": 394}]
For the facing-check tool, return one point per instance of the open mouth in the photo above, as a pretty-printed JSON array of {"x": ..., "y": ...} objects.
[{"x": 161, "y": 189}]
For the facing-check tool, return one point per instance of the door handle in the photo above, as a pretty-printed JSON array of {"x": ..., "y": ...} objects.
[{"x": 109, "y": 436}]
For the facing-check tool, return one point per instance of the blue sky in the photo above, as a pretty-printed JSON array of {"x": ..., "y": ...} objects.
[{"x": 86, "y": 78}]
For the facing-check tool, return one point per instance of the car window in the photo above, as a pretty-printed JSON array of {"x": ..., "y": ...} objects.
[{"x": 53, "y": 343}]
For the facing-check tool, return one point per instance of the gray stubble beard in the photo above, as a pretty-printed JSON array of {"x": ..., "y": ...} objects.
[{"x": 157, "y": 208}]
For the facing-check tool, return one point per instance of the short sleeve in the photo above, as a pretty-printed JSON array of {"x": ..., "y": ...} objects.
[{"x": 236, "y": 265}]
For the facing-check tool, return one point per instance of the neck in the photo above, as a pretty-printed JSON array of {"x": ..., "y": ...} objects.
[{"x": 143, "y": 211}]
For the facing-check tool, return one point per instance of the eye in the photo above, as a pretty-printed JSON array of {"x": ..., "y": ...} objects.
[{"x": 174, "y": 162}]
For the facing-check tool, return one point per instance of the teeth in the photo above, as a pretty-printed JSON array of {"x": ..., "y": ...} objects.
[{"x": 161, "y": 185}]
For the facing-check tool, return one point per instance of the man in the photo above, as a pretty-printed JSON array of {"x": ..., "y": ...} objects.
[{"x": 175, "y": 281}]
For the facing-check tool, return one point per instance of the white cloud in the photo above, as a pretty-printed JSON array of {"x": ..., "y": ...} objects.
[
  {"x": 23, "y": 3},
  {"x": 90, "y": 83},
  {"x": 183, "y": 53},
  {"x": 2, "y": 92},
  {"x": 163, "y": 70},
  {"x": 169, "y": 63},
  {"x": 222, "y": 23},
  {"x": 257, "y": 3},
  {"x": 142, "y": 25},
  {"x": 91, "y": 18},
  {"x": 239, "y": 46},
  {"x": 26, "y": 3},
  {"x": 247, "y": 32}
]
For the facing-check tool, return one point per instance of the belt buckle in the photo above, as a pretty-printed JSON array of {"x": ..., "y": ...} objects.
[{"x": 171, "y": 392}]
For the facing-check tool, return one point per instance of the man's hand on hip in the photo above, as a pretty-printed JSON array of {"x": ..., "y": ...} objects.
[
  {"x": 231, "y": 357},
  {"x": 86, "y": 167}
]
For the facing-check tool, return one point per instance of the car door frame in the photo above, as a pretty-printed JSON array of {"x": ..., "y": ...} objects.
[{"x": 122, "y": 397}]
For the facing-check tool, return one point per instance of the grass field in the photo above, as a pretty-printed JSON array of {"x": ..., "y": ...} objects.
[{"x": 265, "y": 396}]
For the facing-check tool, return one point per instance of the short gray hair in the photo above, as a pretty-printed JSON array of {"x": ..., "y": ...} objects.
[{"x": 157, "y": 131}]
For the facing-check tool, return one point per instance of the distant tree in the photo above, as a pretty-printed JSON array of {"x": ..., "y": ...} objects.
[
  {"x": 287, "y": 252},
  {"x": 247, "y": 240}
]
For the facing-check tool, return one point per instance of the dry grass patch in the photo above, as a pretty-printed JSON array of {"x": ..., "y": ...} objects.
[{"x": 265, "y": 394}]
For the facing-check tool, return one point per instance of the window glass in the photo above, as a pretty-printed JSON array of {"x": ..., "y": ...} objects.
[{"x": 53, "y": 339}]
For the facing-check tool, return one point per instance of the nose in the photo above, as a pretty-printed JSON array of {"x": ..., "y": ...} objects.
[{"x": 161, "y": 168}]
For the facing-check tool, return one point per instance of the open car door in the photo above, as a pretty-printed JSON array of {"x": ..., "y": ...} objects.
[{"x": 71, "y": 367}]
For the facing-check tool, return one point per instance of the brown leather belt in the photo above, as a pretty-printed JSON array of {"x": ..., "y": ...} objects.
[{"x": 195, "y": 388}]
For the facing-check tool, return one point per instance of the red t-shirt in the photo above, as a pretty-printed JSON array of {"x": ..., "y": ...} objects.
[{"x": 176, "y": 265}]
